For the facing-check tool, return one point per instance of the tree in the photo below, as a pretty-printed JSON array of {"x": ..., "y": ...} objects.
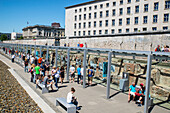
[
  {"x": 3, "y": 37},
  {"x": 20, "y": 38}
]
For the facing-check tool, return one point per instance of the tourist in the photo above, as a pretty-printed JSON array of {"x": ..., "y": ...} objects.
[
  {"x": 47, "y": 65},
  {"x": 81, "y": 45},
  {"x": 68, "y": 45},
  {"x": 19, "y": 54},
  {"x": 53, "y": 71},
  {"x": 158, "y": 49},
  {"x": 43, "y": 69},
  {"x": 28, "y": 57},
  {"x": 62, "y": 74},
  {"x": 85, "y": 45},
  {"x": 13, "y": 57},
  {"x": 71, "y": 99},
  {"x": 26, "y": 65},
  {"x": 64, "y": 44},
  {"x": 57, "y": 76},
  {"x": 132, "y": 91},
  {"x": 32, "y": 72},
  {"x": 72, "y": 73},
  {"x": 23, "y": 56},
  {"x": 47, "y": 81},
  {"x": 79, "y": 74},
  {"x": 90, "y": 75},
  {"x": 78, "y": 45},
  {"x": 39, "y": 60},
  {"x": 37, "y": 71},
  {"x": 32, "y": 60},
  {"x": 82, "y": 74},
  {"x": 35, "y": 61}
]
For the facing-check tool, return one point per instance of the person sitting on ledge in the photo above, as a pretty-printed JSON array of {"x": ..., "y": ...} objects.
[{"x": 132, "y": 91}]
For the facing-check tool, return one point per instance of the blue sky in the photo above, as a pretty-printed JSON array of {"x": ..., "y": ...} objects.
[{"x": 16, "y": 13}]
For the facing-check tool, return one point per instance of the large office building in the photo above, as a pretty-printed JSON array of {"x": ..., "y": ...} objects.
[
  {"x": 42, "y": 31},
  {"x": 107, "y": 17}
]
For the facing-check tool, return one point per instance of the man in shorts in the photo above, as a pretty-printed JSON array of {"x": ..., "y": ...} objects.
[
  {"x": 72, "y": 73},
  {"x": 37, "y": 71},
  {"x": 132, "y": 90}
]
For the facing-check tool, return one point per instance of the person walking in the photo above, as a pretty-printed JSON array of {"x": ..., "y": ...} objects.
[
  {"x": 26, "y": 65},
  {"x": 37, "y": 71},
  {"x": 79, "y": 74},
  {"x": 47, "y": 65},
  {"x": 13, "y": 57},
  {"x": 82, "y": 75},
  {"x": 90, "y": 75},
  {"x": 57, "y": 76},
  {"x": 72, "y": 73}
]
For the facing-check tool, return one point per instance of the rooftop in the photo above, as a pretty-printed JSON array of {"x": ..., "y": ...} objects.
[
  {"x": 86, "y": 3},
  {"x": 42, "y": 26}
]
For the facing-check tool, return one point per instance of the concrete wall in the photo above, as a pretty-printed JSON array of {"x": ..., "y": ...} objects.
[{"x": 143, "y": 42}]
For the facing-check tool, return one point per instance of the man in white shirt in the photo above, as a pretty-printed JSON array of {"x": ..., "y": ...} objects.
[
  {"x": 32, "y": 59},
  {"x": 13, "y": 57},
  {"x": 82, "y": 74},
  {"x": 72, "y": 73},
  {"x": 71, "y": 99}
]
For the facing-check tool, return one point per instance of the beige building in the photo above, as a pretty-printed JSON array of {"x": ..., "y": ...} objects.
[
  {"x": 110, "y": 17},
  {"x": 42, "y": 31}
]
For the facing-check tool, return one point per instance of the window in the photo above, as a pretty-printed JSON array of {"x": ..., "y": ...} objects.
[
  {"x": 100, "y": 23},
  {"x": 107, "y": 4},
  {"x": 79, "y": 17},
  {"x": 114, "y": 3},
  {"x": 113, "y": 12},
  {"x": 94, "y": 32},
  {"x": 88, "y": 32},
  {"x": 167, "y": 4},
  {"x": 135, "y": 29},
  {"x": 166, "y": 17},
  {"x": 75, "y": 10},
  {"x": 119, "y": 30},
  {"x": 79, "y": 33},
  {"x": 129, "y": 1},
  {"x": 101, "y": 5},
  {"x": 75, "y": 26},
  {"x": 113, "y": 31},
  {"x": 106, "y": 23},
  {"x": 155, "y": 18},
  {"x": 136, "y": 9},
  {"x": 74, "y": 33},
  {"x": 144, "y": 29},
  {"x": 113, "y": 22},
  {"x": 120, "y": 22},
  {"x": 146, "y": 8},
  {"x": 107, "y": 13},
  {"x": 154, "y": 28},
  {"x": 95, "y": 15},
  {"x": 94, "y": 23},
  {"x": 84, "y": 9},
  {"x": 101, "y": 14},
  {"x": 84, "y": 25},
  {"x": 137, "y": 0},
  {"x": 136, "y": 20},
  {"x": 121, "y": 2},
  {"x": 128, "y": 21},
  {"x": 79, "y": 25},
  {"x": 95, "y": 7},
  {"x": 100, "y": 32},
  {"x": 89, "y": 8},
  {"x": 106, "y": 31},
  {"x": 75, "y": 18},
  {"x": 80, "y": 10},
  {"x": 89, "y": 24},
  {"x": 89, "y": 15},
  {"x": 145, "y": 19},
  {"x": 84, "y": 33},
  {"x": 84, "y": 16},
  {"x": 121, "y": 11},
  {"x": 127, "y": 30},
  {"x": 128, "y": 10},
  {"x": 165, "y": 28},
  {"x": 156, "y": 5}
]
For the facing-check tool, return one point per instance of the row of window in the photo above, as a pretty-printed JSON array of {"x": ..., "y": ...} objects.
[
  {"x": 156, "y": 5},
  {"x": 113, "y": 12},
  {"x": 113, "y": 31},
  {"x": 136, "y": 19}
]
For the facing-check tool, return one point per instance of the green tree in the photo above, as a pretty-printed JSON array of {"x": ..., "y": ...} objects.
[
  {"x": 3, "y": 37},
  {"x": 20, "y": 38}
]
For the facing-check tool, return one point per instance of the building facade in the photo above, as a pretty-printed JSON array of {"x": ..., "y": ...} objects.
[
  {"x": 110, "y": 17},
  {"x": 15, "y": 35},
  {"x": 42, "y": 31}
]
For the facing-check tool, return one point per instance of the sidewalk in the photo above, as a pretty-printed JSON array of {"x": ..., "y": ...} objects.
[{"x": 92, "y": 99}]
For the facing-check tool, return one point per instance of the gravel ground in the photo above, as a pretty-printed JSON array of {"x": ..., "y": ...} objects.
[{"x": 13, "y": 98}]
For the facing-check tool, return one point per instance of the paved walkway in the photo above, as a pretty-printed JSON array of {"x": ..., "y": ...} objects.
[{"x": 92, "y": 99}]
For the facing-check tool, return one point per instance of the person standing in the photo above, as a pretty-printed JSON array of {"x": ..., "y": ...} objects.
[
  {"x": 26, "y": 65},
  {"x": 85, "y": 45},
  {"x": 57, "y": 76},
  {"x": 79, "y": 74},
  {"x": 47, "y": 65},
  {"x": 62, "y": 74},
  {"x": 43, "y": 69},
  {"x": 13, "y": 57},
  {"x": 82, "y": 75},
  {"x": 39, "y": 60},
  {"x": 37, "y": 71},
  {"x": 23, "y": 56},
  {"x": 72, "y": 73},
  {"x": 90, "y": 75}
]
